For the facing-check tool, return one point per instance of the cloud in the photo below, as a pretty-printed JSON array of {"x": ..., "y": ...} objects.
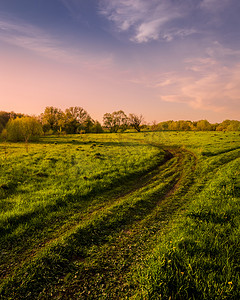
[
  {"x": 219, "y": 51},
  {"x": 146, "y": 20},
  {"x": 148, "y": 31},
  {"x": 31, "y": 38},
  {"x": 209, "y": 83},
  {"x": 123, "y": 13}
]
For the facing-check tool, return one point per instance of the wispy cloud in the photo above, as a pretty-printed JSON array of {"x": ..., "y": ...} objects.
[
  {"x": 214, "y": 92},
  {"x": 217, "y": 50},
  {"x": 124, "y": 13},
  {"x": 36, "y": 40},
  {"x": 145, "y": 20},
  {"x": 29, "y": 37},
  {"x": 210, "y": 82},
  {"x": 151, "y": 30}
]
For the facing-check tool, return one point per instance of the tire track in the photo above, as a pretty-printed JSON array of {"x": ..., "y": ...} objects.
[
  {"x": 68, "y": 227},
  {"x": 120, "y": 255},
  {"x": 96, "y": 232}
]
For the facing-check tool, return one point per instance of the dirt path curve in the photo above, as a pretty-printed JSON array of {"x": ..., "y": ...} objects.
[
  {"x": 125, "y": 232},
  {"x": 105, "y": 274}
]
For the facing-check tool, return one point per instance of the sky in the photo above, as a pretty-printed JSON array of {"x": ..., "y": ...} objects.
[{"x": 164, "y": 59}]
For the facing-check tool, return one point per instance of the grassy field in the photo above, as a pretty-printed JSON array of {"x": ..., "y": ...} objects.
[{"x": 151, "y": 215}]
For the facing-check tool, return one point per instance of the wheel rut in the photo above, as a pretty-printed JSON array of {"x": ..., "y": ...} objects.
[
  {"x": 117, "y": 258},
  {"x": 177, "y": 165}
]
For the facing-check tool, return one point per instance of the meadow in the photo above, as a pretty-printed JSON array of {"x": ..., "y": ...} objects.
[{"x": 149, "y": 215}]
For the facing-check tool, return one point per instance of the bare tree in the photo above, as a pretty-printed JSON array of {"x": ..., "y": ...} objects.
[
  {"x": 135, "y": 121},
  {"x": 115, "y": 121}
]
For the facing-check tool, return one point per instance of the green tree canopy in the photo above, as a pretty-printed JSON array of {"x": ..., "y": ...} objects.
[
  {"x": 229, "y": 125},
  {"x": 75, "y": 118},
  {"x": 4, "y": 117},
  {"x": 52, "y": 118},
  {"x": 203, "y": 125},
  {"x": 23, "y": 129}
]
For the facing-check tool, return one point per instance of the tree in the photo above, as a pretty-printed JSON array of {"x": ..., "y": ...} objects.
[
  {"x": 115, "y": 121},
  {"x": 229, "y": 125},
  {"x": 31, "y": 128},
  {"x": 1, "y": 127},
  {"x": 51, "y": 119},
  {"x": 75, "y": 118},
  {"x": 184, "y": 125},
  {"x": 163, "y": 125},
  {"x": 61, "y": 122},
  {"x": 14, "y": 132},
  {"x": 97, "y": 127},
  {"x": 23, "y": 129},
  {"x": 203, "y": 125},
  {"x": 87, "y": 125},
  {"x": 108, "y": 122},
  {"x": 4, "y": 135},
  {"x": 135, "y": 121},
  {"x": 4, "y": 117},
  {"x": 234, "y": 126}
]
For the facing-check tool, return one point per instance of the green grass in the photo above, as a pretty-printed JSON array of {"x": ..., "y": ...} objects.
[
  {"x": 116, "y": 216},
  {"x": 199, "y": 257}
]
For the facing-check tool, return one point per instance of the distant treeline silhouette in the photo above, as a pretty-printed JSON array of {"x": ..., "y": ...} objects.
[{"x": 21, "y": 127}]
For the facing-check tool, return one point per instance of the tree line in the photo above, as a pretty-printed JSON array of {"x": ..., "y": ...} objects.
[
  {"x": 75, "y": 120},
  {"x": 202, "y": 125}
]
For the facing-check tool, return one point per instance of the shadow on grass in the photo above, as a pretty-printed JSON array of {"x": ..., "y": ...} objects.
[{"x": 213, "y": 217}]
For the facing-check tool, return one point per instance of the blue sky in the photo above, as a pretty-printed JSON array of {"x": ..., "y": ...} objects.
[{"x": 165, "y": 59}]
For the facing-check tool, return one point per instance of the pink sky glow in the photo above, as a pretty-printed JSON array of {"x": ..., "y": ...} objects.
[{"x": 162, "y": 65}]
